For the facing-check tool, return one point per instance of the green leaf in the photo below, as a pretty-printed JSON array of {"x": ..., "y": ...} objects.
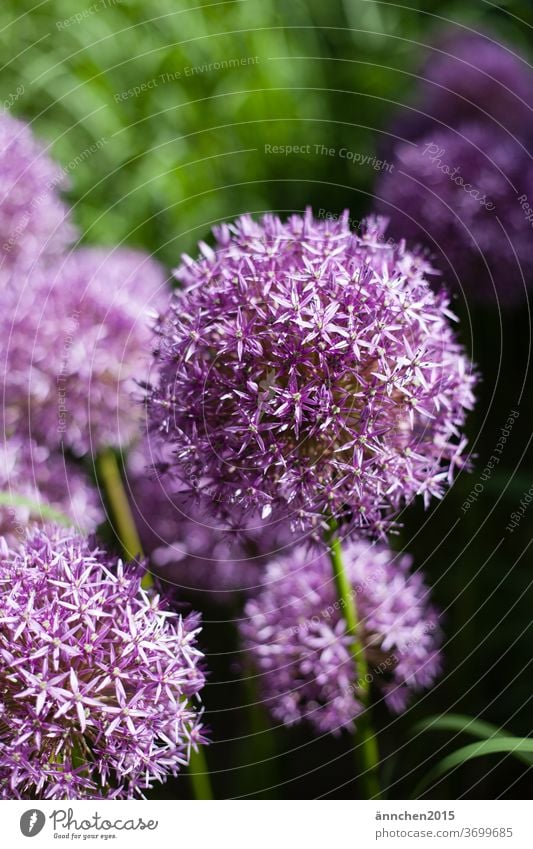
[
  {"x": 37, "y": 508},
  {"x": 509, "y": 745},
  {"x": 467, "y": 725}
]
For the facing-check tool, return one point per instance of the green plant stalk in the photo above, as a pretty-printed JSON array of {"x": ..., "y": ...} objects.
[
  {"x": 108, "y": 472},
  {"x": 199, "y": 775},
  {"x": 365, "y": 738},
  {"x": 109, "y": 475}
]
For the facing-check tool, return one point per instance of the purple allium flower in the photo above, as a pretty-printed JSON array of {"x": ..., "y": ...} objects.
[
  {"x": 471, "y": 77},
  {"x": 308, "y": 370},
  {"x": 98, "y": 681},
  {"x": 191, "y": 548},
  {"x": 33, "y": 219},
  {"x": 78, "y": 340},
  {"x": 296, "y": 636},
  {"x": 458, "y": 194},
  {"x": 35, "y": 482}
]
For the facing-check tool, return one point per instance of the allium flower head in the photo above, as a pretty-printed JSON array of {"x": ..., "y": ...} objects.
[
  {"x": 98, "y": 680},
  {"x": 296, "y": 638},
  {"x": 33, "y": 219},
  {"x": 456, "y": 193},
  {"x": 471, "y": 77},
  {"x": 78, "y": 340},
  {"x": 35, "y": 482},
  {"x": 189, "y": 547},
  {"x": 308, "y": 369}
]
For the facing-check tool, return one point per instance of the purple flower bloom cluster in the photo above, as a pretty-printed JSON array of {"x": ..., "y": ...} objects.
[
  {"x": 98, "y": 681},
  {"x": 188, "y": 547},
  {"x": 463, "y": 169},
  {"x": 295, "y": 634},
  {"x": 471, "y": 77},
  {"x": 34, "y": 482},
  {"x": 78, "y": 341},
  {"x": 34, "y": 221},
  {"x": 455, "y": 192},
  {"x": 312, "y": 370}
]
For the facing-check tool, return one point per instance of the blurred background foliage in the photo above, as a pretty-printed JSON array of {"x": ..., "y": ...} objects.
[
  {"x": 157, "y": 168},
  {"x": 190, "y": 150}
]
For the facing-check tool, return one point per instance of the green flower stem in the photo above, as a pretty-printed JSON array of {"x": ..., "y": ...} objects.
[
  {"x": 365, "y": 739},
  {"x": 108, "y": 472},
  {"x": 199, "y": 775},
  {"x": 110, "y": 477}
]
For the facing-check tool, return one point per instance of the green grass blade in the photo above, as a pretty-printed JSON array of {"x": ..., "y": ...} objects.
[
  {"x": 501, "y": 745},
  {"x": 467, "y": 725}
]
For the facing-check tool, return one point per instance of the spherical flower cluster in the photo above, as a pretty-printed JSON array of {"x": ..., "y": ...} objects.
[
  {"x": 78, "y": 341},
  {"x": 296, "y": 637},
  {"x": 34, "y": 221},
  {"x": 189, "y": 548},
  {"x": 36, "y": 483},
  {"x": 98, "y": 681},
  {"x": 471, "y": 77},
  {"x": 455, "y": 193},
  {"x": 312, "y": 370}
]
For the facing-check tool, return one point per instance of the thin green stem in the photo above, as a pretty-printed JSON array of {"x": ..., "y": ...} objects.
[
  {"x": 199, "y": 775},
  {"x": 110, "y": 477},
  {"x": 124, "y": 524},
  {"x": 365, "y": 739}
]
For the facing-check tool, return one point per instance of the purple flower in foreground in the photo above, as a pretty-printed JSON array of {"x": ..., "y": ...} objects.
[
  {"x": 188, "y": 546},
  {"x": 78, "y": 340},
  {"x": 35, "y": 482},
  {"x": 33, "y": 219},
  {"x": 458, "y": 193},
  {"x": 98, "y": 681},
  {"x": 308, "y": 369},
  {"x": 296, "y": 636}
]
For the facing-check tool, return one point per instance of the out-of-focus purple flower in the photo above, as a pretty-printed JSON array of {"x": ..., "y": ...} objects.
[
  {"x": 307, "y": 370},
  {"x": 36, "y": 482},
  {"x": 458, "y": 193},
  {"x": 34, "y": 221},
  {"x": 470, "y": 77},
  {"x": 98, "y": 680},
  {"x": 77, "y": 343},
  {"x": 296, "y": 637},
  {"x": 189, "y": 547}
]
